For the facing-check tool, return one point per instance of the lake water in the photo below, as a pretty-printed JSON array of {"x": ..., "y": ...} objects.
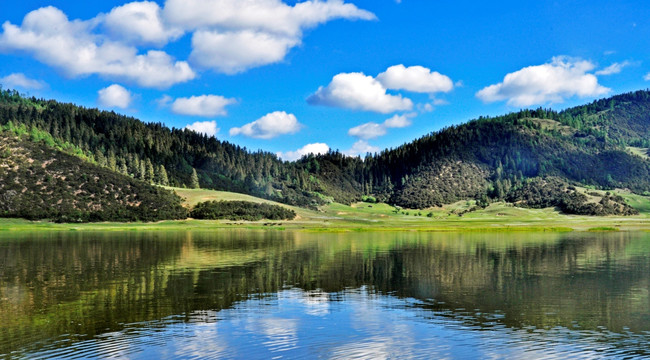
[{"x": 280, "y": 294}]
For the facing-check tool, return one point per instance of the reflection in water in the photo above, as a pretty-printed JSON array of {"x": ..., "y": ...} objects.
[{"x": 253, "y": 294}]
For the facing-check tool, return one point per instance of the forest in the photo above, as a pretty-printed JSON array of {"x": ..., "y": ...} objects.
[{"x": 487, "y": 159}]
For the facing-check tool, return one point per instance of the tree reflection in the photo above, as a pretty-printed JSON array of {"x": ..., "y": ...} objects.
[{"x": 79, "y": 285}]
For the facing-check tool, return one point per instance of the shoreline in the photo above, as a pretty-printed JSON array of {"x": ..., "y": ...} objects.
[{"x": 608, "y": 224}]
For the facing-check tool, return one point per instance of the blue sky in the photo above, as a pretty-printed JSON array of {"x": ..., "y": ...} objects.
[{"x": 297, "y": 76}]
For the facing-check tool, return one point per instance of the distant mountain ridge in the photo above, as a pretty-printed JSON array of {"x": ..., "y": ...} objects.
[{"x": 487, "y": 159}]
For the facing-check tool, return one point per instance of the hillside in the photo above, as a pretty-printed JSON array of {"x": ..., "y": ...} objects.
[
  {"x": 154, "y": 153},
  {"x": 37, "y": 181},
  {"x": 599, "y": 145}
]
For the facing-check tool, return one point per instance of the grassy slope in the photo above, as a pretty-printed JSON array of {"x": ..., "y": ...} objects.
[
  {"x": 192, "y": 197},
  {"x": 642, "y": 152},
  {"x": 378, "y": 217}
]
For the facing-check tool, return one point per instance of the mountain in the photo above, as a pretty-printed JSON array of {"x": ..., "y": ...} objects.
[{"x": 531, "y": 157}]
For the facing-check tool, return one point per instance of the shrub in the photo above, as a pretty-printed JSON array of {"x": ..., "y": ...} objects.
[{"x": 240, "y": 210}]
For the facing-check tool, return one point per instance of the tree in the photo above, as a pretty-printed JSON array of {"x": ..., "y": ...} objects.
[
  {"x": 194, "y": 180},
  {"x": 161, "y": 176},
  {"x": 149, "y": 175},
  {"x": 112, "y": 161}
]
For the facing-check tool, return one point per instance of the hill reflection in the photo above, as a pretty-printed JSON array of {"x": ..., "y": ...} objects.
[{"x": 77, "y": 286}]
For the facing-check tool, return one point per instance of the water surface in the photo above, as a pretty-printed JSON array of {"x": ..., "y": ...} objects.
[{"x": 248, "y": 294}]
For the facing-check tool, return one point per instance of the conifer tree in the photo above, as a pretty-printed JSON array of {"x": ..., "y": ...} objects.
[
  {"x": 161, "y": 176},
  {"x": 112, "y": 161},
  {"x": 149, "y": 175},
  {"x": 194, "y": 181}
]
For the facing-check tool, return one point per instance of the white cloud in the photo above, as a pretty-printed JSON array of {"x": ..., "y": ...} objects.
[
  {"x": 361, "y": 147},
  {"x": 208, "y": 128},
  {"x": 425, "y": 108},
  {"x": 439, "y": 102},
  {"x": 367, "y": 131},
  {"x": 552, "y": 82},
  {"x": 315, "y": 148},
  {"x": 229, "y": 36},
  {"x": 373, "y": 130},
  {"x": 646, "y": 77},
  {"x": 399, "y": 121},
  {"x": 359, "y": 92},
  {"x": 233, "y": 35},
  {"x": 614, "y": 68},
  {"x": 140, "y": 23},
  {"x": 269, "y": 126},
  {"x": 70, "y": 46},
  {"x": 114, "y": 96},
  {"x": 203, "y": 105},
  {"x": 19, "y": 80},
  {"x": 270, "y": 16},
  {"x": 238, "y": 51},
  {"x": 430, "y": 106},
  {"x": 164, "y": 101},
  {"x": 415, "y": 79}
]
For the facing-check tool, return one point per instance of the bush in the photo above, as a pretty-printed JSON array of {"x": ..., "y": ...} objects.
[
  {"x": 369, "y": 199},
  {"x": 240, "y": 210}
]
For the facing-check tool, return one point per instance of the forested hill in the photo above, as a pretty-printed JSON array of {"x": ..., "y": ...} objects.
[
  {"x": 485, "y": 159},
  {"x": 37, "y": 181},
  {"x": 154, "y": 153}
]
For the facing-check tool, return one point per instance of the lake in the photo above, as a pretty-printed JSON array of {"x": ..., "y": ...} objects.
[{"x": 281, "y": 294}]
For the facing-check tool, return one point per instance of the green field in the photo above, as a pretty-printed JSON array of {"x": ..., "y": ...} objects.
[{"x": 378, "y": 217}]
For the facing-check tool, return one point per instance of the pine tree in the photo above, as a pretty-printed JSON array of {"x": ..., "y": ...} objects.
[
  {"x": 123, "y": 169},
  {"x": 194, "y": 181},
  {"x": 149, "y": 175},
  {"x": 100, "y": 158},
  {"x": 161, "y": 176},
  {"x": 143, "y": 170},
  {"x": 112, "y": 161}
]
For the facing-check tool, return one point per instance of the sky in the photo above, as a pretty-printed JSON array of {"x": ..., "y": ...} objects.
[{"x": 293, "y": 77}]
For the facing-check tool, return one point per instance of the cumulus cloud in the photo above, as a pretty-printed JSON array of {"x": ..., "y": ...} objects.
[
  {"x": 361, "y": 147},
  {"x": 373, "y": 130},
  {"x": 232, "y": 36},
  {"x": 237, "y": 51},
  {"x": 270, "y": 16},
  {"x": 315, "y": 148},
  {"x": 228, "y": 36},
  {"x": 114, "y": 96},
  {"x": 614, "y": 68},
  {"x": 416, "y": 79},
  {"x": 203, "y": 105},
  {"x": 269, "y": 126},
  {"x": 552, "y": 82},
  {"x": 358, "y": 91},
  {"x": 19, "y": 80},
  {"x": 48, "y": 35},
  {"x": 369, "y": 130},
  {"x": 208, "y": 128},
  {"x": 399, "y": 121},
  {"x": 140, "y": 23}
]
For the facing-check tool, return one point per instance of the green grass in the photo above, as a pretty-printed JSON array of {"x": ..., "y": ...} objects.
[
  {"x": 192, "y": 197},
  {"x": 365, "y": 217},
  {"x": 603, "y": 228},
  {"x": 642, "y": 152},
  {"x": 639, "y": 202}
]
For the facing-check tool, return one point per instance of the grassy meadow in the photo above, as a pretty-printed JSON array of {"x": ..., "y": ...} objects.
[{"x": 362, "y": 216}]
